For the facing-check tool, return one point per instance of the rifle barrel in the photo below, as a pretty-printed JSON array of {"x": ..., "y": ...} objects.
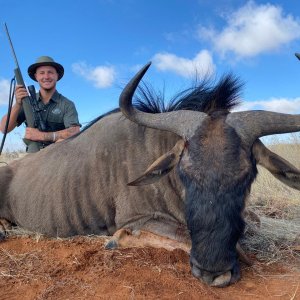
[{"x": 11, "y": 46}]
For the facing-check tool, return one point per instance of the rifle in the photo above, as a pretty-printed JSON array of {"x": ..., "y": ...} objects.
[{"x": 31, "y": 109}]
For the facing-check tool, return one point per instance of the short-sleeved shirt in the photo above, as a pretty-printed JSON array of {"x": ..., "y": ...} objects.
[{"x": 58, "y": 114}]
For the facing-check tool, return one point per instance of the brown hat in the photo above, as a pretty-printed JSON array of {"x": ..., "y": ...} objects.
[{"x": 45, "y": 61}]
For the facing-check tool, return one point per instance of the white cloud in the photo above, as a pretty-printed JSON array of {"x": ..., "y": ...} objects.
[
  {"x": 101, "y": 76},
  {"x": 4, "y": 91},
  {"x": 202, "y": 64},
  {"x": 254, "y": 29},
  {"x": 282, "y": 105}
]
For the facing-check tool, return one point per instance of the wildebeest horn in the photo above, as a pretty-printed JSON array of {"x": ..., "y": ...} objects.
[
  {"x": 182, "y": 122},
  {"x": 251, "y": 125}
]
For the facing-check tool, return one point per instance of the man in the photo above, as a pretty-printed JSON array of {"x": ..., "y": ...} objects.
[{"x": 58, "y": 113}]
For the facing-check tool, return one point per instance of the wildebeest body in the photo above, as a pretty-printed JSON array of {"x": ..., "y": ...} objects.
[{"x": 80, "y": 187}]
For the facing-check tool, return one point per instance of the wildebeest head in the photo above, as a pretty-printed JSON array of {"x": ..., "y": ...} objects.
[{"x": 217, "y": 165}]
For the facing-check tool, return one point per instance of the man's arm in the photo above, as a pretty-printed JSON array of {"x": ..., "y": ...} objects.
[
  {"x": 21, "y": 93},
  {"x": 53, "y": 136},
  {"x": 12, "y": 120}
]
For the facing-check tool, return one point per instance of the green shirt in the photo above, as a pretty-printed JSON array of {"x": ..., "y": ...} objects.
[{"x": 58, "y": 114}]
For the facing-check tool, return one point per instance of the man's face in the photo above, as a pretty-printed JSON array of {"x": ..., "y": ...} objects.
[{"x": 47, "y": 77}]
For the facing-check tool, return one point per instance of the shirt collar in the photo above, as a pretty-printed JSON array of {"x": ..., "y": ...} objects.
[{"x": 55, "y": 97}]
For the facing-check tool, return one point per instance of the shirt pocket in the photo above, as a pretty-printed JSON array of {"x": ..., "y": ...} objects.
[
  {"x": 55, "y": 115},
  {"x": 55, "y": 121}
]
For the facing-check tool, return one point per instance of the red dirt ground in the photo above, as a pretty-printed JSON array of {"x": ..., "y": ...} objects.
[{"x": 80, "y": 268}]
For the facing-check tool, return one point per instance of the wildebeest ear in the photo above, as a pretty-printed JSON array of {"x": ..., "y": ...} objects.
[
  {"x": 278, "y": 166},
  {"x": 162, "y": 166}
]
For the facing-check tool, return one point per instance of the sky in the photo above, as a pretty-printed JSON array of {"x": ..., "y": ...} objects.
[{"x": 103, "y": 43}]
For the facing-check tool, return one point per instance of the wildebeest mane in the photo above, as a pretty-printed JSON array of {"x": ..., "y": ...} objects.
[{"x": 204, "y": 96}]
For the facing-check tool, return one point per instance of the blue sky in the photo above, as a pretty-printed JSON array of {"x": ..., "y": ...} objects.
[{"x": 102, "y": 43}]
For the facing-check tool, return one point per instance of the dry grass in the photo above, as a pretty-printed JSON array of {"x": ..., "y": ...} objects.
[
  {"x": 274, "y": 240},
  {"x": 6, "y": 157},
  {"x": 23, "y": 266}
]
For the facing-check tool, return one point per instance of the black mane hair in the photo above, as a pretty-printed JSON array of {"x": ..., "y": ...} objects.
[{"x": 204, "y": 96}]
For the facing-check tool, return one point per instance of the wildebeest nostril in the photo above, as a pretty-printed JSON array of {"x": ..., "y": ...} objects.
[
  {"x": 215, "y": 279},
  {"x": 211, "y": 278},
  {"x": 222, "y": 280},
  {"x": 196, "y": 272}
]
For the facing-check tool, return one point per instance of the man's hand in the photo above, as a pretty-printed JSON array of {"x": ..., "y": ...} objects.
[
  {"x": 34, "y": 134},
  {"x": 20, "y": 93}
]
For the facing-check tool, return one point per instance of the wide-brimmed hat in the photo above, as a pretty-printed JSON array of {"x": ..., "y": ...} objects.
[{"x": 45, "y": 61}]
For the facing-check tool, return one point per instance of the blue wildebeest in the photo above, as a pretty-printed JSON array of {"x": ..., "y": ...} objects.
[{"x": 79, "y": 186}]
